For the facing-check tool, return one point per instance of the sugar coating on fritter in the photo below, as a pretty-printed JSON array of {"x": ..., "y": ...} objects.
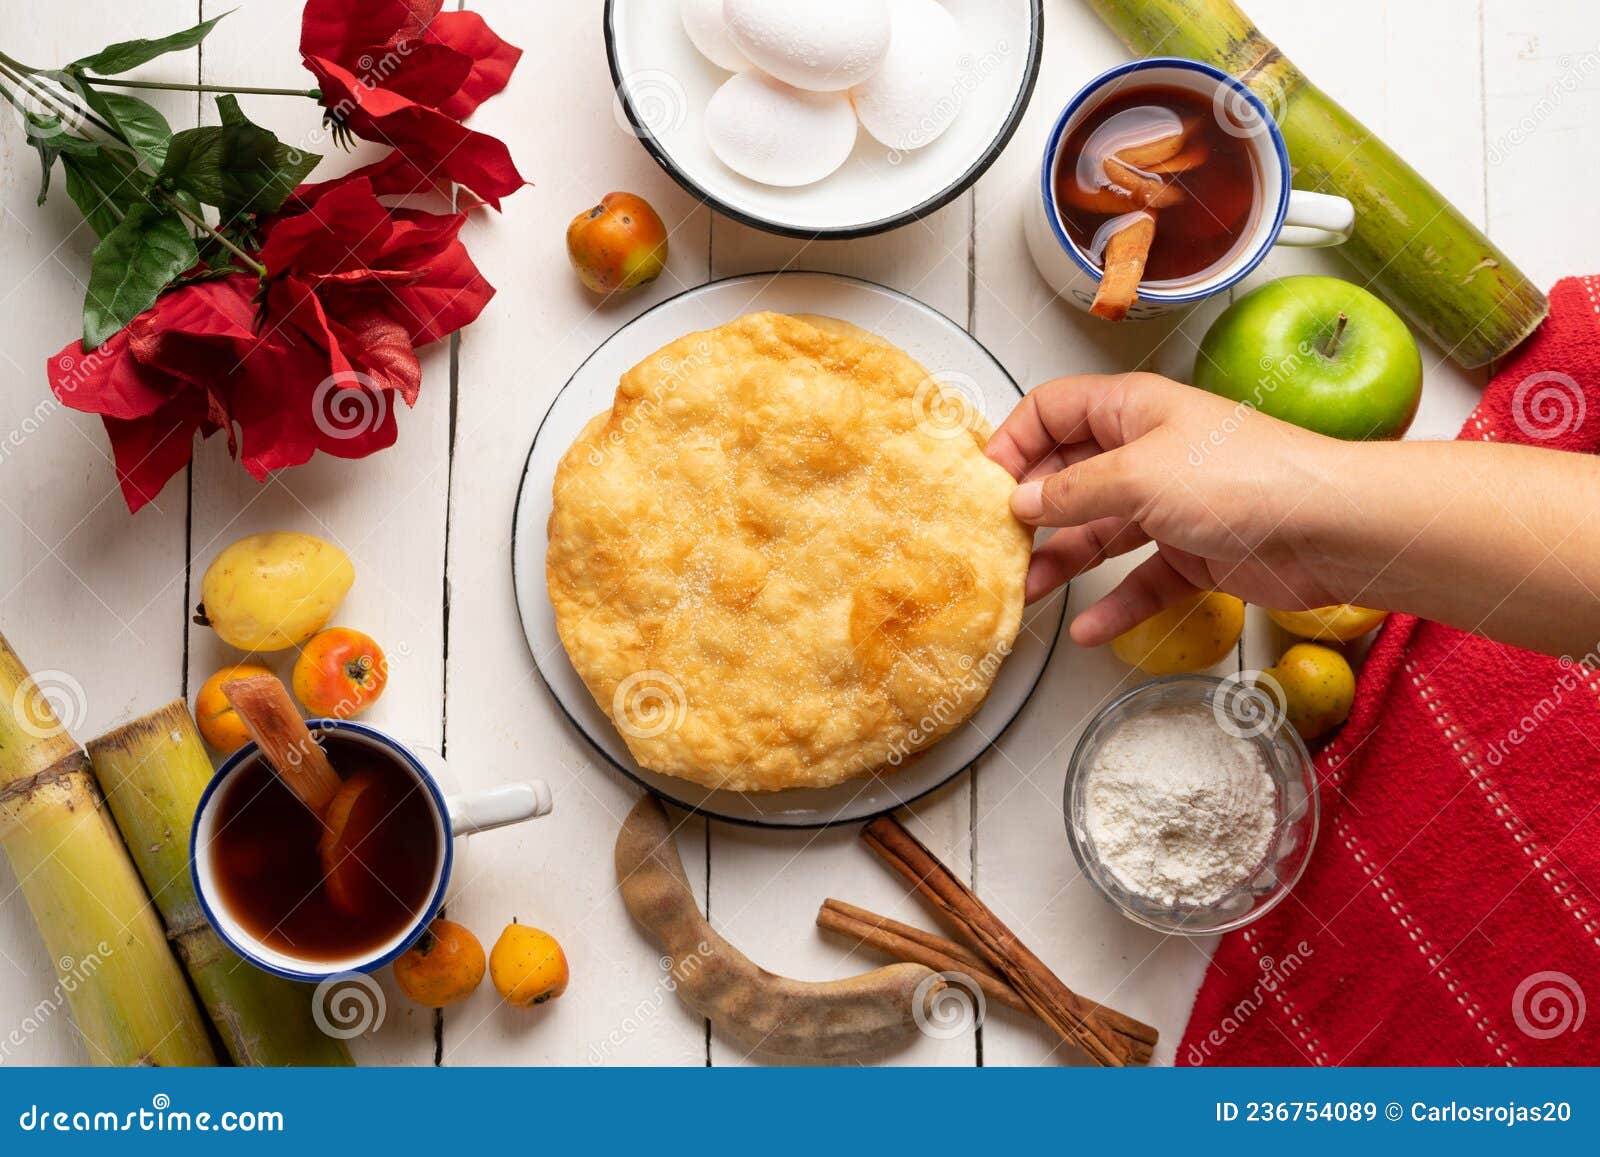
[{"x": 781, "y": 559}]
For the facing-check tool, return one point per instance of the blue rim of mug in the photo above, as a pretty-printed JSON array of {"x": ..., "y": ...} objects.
[
  {"x": 1053, "y": 145},
  {"x": 424, "y": 776}
]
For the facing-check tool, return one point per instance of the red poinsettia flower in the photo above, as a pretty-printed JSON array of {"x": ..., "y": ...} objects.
[
  {"x": 367, "y": 282},
  {"x": 402, "y": 73},
  {"x": 352, "y": 287}
]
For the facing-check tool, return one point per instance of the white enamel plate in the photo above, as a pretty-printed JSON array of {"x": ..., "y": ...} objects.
[
  {"x": 663, "y": 85},
  {"x": 951, "y": 355}
]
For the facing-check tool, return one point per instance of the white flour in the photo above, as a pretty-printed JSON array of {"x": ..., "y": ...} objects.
[{"x": 1179, "y": 810}]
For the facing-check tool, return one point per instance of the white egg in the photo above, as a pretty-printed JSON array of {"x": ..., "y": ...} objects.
[
  {"x": 776, "y": 134},
  {"x": 915, "y": 95},
  {"x": 703, "y": 21},
  {"x": 818, "y": 45}
]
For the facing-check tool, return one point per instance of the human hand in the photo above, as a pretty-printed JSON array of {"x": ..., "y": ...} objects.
[{"x": 1228, "y": 495}]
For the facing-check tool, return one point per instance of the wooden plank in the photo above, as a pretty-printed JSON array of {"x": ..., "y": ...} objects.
[
  {"x": 1541, "y": 103},
  {"x": 386, "y": 512},
  {"x": 763, "y": 897},
  {"x": 90, "y": 597},
  {"x": 1374, "y": 77},
  {"x": 557, "y": 118},
  {"x": 1024, "y": 868}
]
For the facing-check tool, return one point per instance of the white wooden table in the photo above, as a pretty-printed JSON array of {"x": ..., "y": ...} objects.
[{"x": 1496, "y": 101}]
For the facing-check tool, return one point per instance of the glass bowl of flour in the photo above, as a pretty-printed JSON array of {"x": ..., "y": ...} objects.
[{"x": 1191, "y": 804}]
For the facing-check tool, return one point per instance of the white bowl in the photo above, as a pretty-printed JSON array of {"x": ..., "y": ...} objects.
[{"x": 663, "y": 85}]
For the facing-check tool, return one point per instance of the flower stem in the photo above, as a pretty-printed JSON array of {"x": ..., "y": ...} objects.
[
  {"x": 259, "y": 269},
  {"x": 194, "y": 219},
  {"x": 176, "y": 86},
  {"x": 64, "y": 107}
]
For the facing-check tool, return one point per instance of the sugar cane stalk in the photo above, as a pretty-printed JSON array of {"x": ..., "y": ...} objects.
[
  {"x": 1410, "y": 244},
  {"x": 153, "y": 771},
  {"x": 128, "y": 996}
]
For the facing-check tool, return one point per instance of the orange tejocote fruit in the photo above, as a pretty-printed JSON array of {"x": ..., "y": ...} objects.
[
  {"x": 219, "y": 723},
  {"x": 618, "y": 245},
  {"x": 340, "y": 673},
  {"x": 527, "y": 966},
  {"x": 444, "y": 966}
]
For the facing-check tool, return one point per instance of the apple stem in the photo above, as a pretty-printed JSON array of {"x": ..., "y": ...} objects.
[{"x": 1332, "y": 346}]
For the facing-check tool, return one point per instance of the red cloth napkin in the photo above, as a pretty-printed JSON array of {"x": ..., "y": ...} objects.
[{"x": 1450, "y": 913}]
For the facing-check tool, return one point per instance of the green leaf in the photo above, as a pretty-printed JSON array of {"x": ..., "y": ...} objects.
[
  {"x": 132, "y": 265},
  {"x": 128, "y": 54},
  {"x": 291, "y": 165},
  {"x": 228, "y": 110},
  {"x": 138, "y": 122},
  {"x": 47, "y": 161},
  {"x": 237, "y": 166},
  {"x": 103, "y": 192},
  {"x": 49, "y": 146}
]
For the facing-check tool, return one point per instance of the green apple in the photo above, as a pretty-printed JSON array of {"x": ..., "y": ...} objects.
[{"x": 1319, "y": 352}]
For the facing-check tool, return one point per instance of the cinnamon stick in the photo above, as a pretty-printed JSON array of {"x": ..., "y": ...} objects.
[
  {"x": 1192, "y": 157},
  {"x": 891, "y": 941},
  {"x": 286, "y": 743},
  {"x": 1051, "y": 1000},
  {"x": 1162, "y": 148},
  {"x": 898, "y": 941},
  {"x": 1125, "y": 256}
]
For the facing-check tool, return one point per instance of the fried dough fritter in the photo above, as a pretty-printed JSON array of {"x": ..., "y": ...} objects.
[{"x": 781, "y": 559}]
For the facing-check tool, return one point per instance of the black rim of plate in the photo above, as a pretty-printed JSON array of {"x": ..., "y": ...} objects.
[
  {"x": 845, "y": 232},
  {"x": 701, "y": 809}
]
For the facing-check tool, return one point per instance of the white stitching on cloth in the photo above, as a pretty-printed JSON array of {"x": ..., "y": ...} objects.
[
  {"x": 1302, "y": 1027},
  {"x": 1430, "y": 954},
  {"x": 1542, "y": 863}
]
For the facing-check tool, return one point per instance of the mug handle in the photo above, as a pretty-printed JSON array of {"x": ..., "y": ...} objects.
[
  {"x": 481, "y": 811},
  {"x": 1316, "y": 220}
]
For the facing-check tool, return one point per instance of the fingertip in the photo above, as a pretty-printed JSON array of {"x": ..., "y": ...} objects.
[
  {"x": 1042, "y": 579},
  {"x": 1002, "y": 450},
  {"x": 1027, "y": 501},
  {"x": 1092, "y": 627}
]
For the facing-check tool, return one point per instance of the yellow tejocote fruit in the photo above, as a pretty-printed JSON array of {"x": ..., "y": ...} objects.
[
  {"x": 1191, "y": 636},
  {"x": 271, "y": 591},
  {"x": 1339, "y": 623}
]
